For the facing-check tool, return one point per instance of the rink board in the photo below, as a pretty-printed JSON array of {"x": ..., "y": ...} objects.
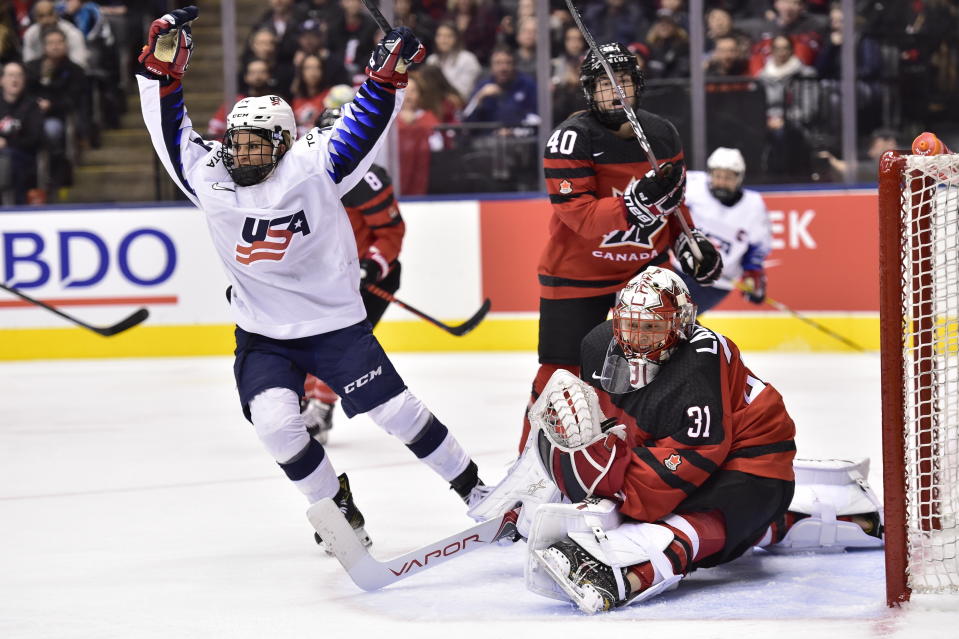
[{"x": 101, "y": 264}]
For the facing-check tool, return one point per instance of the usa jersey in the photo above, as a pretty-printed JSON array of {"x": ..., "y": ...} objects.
[
  {"x": 741, "y": 232},
  {"x": 592, "y": 248},
  {"x": 286, "y": 243},
  {"x": 703, "y": 412}
]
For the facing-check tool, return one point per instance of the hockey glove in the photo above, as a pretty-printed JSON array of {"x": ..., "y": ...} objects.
[
  {"x": 390, "y": 58},
  {"x": 373, "y": 267},
  {"x": 597, "y": 468},
  {"x": 709, "y": 269},
  {"x": 169, "y": 44},
  {"x": 655, "y": 194},
  {"x": 755, "y": 284}
]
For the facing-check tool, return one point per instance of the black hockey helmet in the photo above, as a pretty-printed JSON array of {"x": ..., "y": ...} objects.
[
  {"x": 619, "y": 59},
  {"x": 328, "y": 117}
]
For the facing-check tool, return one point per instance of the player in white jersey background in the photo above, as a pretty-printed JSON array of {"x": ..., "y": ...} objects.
[
  {"x": 736, "y": 221},
  {"x": 273, "y": 208}
]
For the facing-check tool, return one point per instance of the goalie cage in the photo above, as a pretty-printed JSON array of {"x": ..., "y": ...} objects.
[{"x": 919, "y": 325}]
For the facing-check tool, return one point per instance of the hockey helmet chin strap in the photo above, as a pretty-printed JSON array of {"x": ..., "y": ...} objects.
[{"x": 251, "y": 174}]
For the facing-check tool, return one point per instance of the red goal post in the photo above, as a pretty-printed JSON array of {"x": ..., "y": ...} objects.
[{"x": 919, "y": 325}]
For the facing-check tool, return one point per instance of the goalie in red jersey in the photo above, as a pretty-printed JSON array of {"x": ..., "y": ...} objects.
[
  {"x": 675, "y": 456},
  {"x": 610, "y": 212}
]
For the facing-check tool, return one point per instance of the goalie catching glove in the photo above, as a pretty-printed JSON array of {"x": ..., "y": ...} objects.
[
  {"x": 169, "y": 44},
  {"x": 706, "y": 271},
  {"x": 655, "y": 194},
  {"x": 584, "y": 453},
  {"x": 390, "y": 58}
]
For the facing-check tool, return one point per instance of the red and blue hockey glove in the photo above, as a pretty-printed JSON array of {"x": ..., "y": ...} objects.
[
  {"x": 390, "y": 58},
  {"x": 597, "y": 468},
  {"x": 169, "y": 44},
  {"x": 754, "y": 283},
  {"x": 709, "y": 269},
  {"x": 655, "y": 194},
  {"x": 373, "y": 267}
]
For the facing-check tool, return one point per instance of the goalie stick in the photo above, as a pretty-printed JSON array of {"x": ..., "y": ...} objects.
[
  {"x": 370, "y": 574},
  {"x": 458, "y": 330},
  {"x": 630, "y": 115},
  {"x": 107, "y": 331}
]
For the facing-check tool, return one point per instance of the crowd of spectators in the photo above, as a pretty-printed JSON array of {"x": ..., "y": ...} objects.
[
  {"x": 477, "y": 89},
  {"x": 65, "y": 68}
]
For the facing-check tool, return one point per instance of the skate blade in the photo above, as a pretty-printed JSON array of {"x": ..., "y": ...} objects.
[{"x": 575, "y": 594}]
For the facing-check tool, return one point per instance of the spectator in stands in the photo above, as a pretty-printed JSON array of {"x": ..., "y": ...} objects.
[
  {"x": 283, "y": 18},
  {"x": 85, "y": 16},
  {"x": 867, "y": 169},
  {"x": 509, "y": 24},
  {"x": 351, "y": 40},
  {"x": 526, "y": 46},
  {"x": 725, "y": 59},
  {"x": 256, "y": 83},
  {"x": 438, "y": 95},
  {"x": 45, "y": 16},
  {"x": 476, "y": 21},
  {"x": 780, "y": 69},
  {"x": 312, "y": 41},
  {"x": 568, "y": 96},
  {"x": 669, "y": 49},
  {"x": 418, "y": 137},
  {"x": 21, "y": 132},
  {"x": 102, "y": 67},
  {"x": 675, "y": 9},
  {"x": 505, "y": 96},
  {"x": 615, "y": 21},
  {"x": 419, "y": 22},
  {"x": 459, "y": 66},
  {"x": 61, "y": 90},
  {"x": 310, "y": 88},
  {"x": 325, "y": 12},
  {"x": 263, "y": 46},
  {"x": 790, "y": 19},
  {"x": 719, "y": 24},
  {"x": 9, "y": 43}
]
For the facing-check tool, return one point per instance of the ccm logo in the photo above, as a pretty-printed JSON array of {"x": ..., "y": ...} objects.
[
  {"x": 451, "y": 549},
  {"x": 352, "y": 386}
]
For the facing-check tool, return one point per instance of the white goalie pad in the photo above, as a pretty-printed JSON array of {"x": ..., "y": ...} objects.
[
  {"x": 526, "y": 483},
  {"x": 595, "y": 525},
  {"x": 827, "y": 489},
  {"x": 567, "y": 411}
]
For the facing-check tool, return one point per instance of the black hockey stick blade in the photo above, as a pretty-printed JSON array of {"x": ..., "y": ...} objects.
[
  {"x": 374, "y": 11},
  {"x": 135, "y": 318},
  {"x": 472, "y": 322}
]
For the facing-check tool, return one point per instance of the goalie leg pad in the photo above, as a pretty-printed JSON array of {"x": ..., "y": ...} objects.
[{"x": 827, "y": 489}]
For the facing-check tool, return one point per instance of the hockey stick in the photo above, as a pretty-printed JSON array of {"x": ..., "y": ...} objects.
[
  {"x": 459, "y": 330},
  {"x": 107, "y": 331},
  {"x": 377, "y": 16},
  {"x": 779, "y": 306},
  {"x": 631, "y": 116},
  {"x": 369, "y": 573}
]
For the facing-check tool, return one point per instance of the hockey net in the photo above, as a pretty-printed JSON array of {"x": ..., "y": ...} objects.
[{"x": 919, "y": 291}]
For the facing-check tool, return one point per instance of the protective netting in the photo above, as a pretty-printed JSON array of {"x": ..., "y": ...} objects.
[{"x": 930, "y": 311}]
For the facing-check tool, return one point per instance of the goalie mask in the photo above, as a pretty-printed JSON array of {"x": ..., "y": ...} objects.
[
  {"x": 608, "y": 110},
  {"x": 257, "y": 128},
  {"x": 726, "y": 168},
  {"x": 652, "y": 315}
]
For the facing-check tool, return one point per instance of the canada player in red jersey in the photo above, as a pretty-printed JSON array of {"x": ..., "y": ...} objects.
[
  {"x": 610, "y": 212},
  {"x": 675, "y": 456},
  {"x": 379, "y": 230}
]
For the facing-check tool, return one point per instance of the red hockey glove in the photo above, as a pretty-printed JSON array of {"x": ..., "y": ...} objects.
[
  {"x": 755, "y": 284},
  {"x": 655, "y": 194},
  {"x": 169, "y": 44},
  {"x": 709, "y": 269},
  {"x": 598, "y": 468},
  {"x": 396, "y": 51}
]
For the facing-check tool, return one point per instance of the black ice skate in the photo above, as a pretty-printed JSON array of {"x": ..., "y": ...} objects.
[
  {"x": 344, "y": 501},
  {"x": 588, "y": 582},
  {"x": 318, "y": 417},
  {"x": 468, "y": 485}
]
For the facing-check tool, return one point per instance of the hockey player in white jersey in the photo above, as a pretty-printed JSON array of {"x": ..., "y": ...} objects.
[
  {"x": 272, "y": 204},
  {"x": 736, "y": 221}
]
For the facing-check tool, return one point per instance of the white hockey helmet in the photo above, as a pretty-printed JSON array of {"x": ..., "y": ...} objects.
[
  {"x": 268, "y": 117},
  {"x": 724, "y": 188},
  {"x": 653, "y": 313},
  {"x": 726, "y": 158}
]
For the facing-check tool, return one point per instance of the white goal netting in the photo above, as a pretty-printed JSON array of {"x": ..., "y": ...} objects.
[{"x": 930, "y": 312}]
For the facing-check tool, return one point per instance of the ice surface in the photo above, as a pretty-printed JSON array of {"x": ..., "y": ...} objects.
[{"x": 135, "y": 501}]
